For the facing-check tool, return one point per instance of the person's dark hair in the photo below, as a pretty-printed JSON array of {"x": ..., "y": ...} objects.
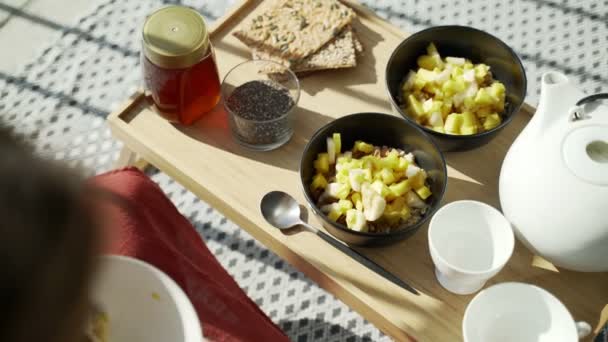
[{"x": 47, "y": 246}]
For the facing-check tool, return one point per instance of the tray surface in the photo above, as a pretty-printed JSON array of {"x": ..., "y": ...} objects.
[{"x": 207, "y": 161}]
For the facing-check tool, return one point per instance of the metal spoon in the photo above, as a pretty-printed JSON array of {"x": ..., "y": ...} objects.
[{"x": 283, "y": 212}]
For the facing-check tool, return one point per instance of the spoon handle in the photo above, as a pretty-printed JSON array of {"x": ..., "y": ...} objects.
[{"x": 365, "y": 261}]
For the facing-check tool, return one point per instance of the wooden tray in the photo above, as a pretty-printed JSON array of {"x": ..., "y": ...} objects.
[{"x": 207, "y": 161}]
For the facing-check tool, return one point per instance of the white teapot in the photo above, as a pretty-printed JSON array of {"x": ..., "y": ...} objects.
[{"x": 554, "y": 180}]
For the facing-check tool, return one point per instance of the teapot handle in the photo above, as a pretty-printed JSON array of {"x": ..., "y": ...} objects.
[
  {"x": 578, "y": 113},
  {"x": 583, "y": 329}
]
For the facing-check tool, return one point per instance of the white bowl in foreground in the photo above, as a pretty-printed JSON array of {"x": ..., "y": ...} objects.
[{"x": 143, "y": 304}]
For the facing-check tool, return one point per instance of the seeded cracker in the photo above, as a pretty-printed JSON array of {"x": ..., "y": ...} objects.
[
  {"x": 358, "y": 45},
  {"x": 295, "y": 29},
  {"x": 338, "y": 53}
]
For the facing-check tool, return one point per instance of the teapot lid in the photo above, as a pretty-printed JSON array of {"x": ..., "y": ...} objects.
[{"x": 585, "y": 152}]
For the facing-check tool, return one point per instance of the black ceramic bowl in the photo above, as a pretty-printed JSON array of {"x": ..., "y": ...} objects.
[
  {"x": 377, "y": 129},
  {"x": 460, "y": 41}
]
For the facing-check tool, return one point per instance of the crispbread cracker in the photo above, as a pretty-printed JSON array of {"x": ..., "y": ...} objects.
[
  {"x": 338, "y": 53},
  {"x": 295, "y": 29},
  {"x": 357, "y": 43}
]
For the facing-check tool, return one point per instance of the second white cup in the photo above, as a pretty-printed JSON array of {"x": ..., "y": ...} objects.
[{"x": 469, "y": 242}]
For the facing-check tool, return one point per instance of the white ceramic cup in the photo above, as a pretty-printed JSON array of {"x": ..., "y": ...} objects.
[
  {"x": 469, "y": 243},
  {"x": 519, "y": 312}
]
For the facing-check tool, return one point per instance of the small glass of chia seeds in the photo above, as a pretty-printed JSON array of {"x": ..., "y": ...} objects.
[{"x": 260, "y": 103}]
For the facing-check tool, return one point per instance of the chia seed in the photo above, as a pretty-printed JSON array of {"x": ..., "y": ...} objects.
[{"x": 258, "y": 113}]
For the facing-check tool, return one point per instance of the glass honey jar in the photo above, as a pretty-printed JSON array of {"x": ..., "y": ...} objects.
[{"x": 180, "y": 73}]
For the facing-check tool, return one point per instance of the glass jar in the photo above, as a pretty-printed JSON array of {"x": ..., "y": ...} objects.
[{"x": 178, "y": 62}]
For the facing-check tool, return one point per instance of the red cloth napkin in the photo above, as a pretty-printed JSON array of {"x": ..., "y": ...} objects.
[{"x": 143, "y": 223}]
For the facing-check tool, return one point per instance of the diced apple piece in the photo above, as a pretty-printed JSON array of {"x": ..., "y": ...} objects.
[
  {"x": 367, "y": 174},
  {"x": 322, "y": 163},
  {"x": 356, "y": 177},
  {"x": 427, "y": 105},
  {"x": 431, "y": 49},
  {"x": 483, "y": 98},
  {"x": 345, "y": 205},
  {"x": 400, "y": 208},
  {"x": 497, "y": 90},
  {"x": 334, "y": 215},
  {"x": 379, "y": 187},
  {"x": 412, "y": 170},
  {"x": 467, "y": 65},
  {"x": 373, "y": 202},
  {"x": 434, "y": 106},
  {"x": 399, "y": 189},
  {"x": 363, "y": 147},
  {"x": 456, "y": 72},
  {"x": 413, "y": 200},
  {"x": 415, "y": 106},
  {"x": 355, "y": 220},
  {"x": 426, "y": 75},
  {"x": 482, "y": 112},
  {"x": 481, "y": 72},
  {"x": 469, "y": 76},
  {"x": 468, "y": 130},
  {"x": 337, "y": 143},
  {"x": 427, "y": 62},
  {"x": 436, "y": 120},
  {"x": 418, "y": 180},
  {"x": 331, "y": 150},
  {"x": 342, "y": 176},
  {"x": 444, "y": 75},
  {"x": 409, "y": 81},
  {"x": 332, "y": 211},
  {"x": 405, "y": 213},
  {"x": 356, "y": 199},
  {"x": 453, "y": 86},
  {"x": 393, "y": 154},
  {"x": 424, "y": 192},
  {"x": 391, "y": 217},
  {"x": 318, "y": 182},
  {"x": 402, "y": 164},
  {"x": 468, "y": 119},
  {"x": 439, "y": 129},
  {"x": 342, "y": 162},
  {"x": 338, "y": 190},
  {"x": 409, "y": 157},
  {"x": 376, "y": 208},
  {"x": 419, "y": 83},
  {"x": 453, "y": 123},
  {"x": 446, "y": 108},
  {"x": 455, "y": 60},
  {"x": 491, "y": 121},
  {"x": 387, "y": 176}
]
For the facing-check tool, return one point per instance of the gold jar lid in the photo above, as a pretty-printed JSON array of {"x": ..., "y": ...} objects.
[{"x": 175, "y": 37}]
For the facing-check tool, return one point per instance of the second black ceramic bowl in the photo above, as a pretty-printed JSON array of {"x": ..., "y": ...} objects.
[
  {"x": 380, "y": 130},
  {"x": 470, "y": 43}
]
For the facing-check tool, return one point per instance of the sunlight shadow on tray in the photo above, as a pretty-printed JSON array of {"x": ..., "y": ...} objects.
[{"x": 213, "y": 129}]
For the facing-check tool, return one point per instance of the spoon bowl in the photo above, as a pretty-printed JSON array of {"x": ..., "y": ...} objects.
[{"x": 280, "y": 210}]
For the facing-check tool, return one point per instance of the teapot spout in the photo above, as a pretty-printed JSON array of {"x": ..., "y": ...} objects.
[{"x": 557, "y": 96}]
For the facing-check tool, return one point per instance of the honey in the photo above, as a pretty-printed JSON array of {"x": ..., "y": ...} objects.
[{"x": 180, "y": 73}]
